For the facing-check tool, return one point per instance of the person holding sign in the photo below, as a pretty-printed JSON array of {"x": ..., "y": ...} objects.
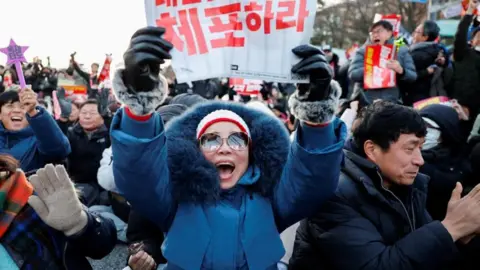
[
  {"x": 223, "y": 180},
  {"x": 371, "y": 64},
  {"x": 28, "y": 132}
]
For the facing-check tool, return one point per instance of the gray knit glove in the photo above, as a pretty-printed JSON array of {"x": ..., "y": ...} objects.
[
  {"x": 65, "y": 105},
  {"x": 56, "y": 201}
]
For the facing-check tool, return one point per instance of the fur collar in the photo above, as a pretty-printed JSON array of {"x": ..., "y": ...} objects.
[{"x": 195, "y": 180}]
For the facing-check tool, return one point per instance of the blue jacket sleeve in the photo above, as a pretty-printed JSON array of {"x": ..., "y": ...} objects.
[
  {"x": 51, "y": 141},
  {"x": 409, "y": 70},
  {"x": 311, "y": 173},
  {"x": 356, "y": 70},
  {"x": 140, "y": 166},
  {"x": 98, "y": 238}
]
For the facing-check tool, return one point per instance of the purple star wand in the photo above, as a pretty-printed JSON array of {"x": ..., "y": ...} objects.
[{"x": 15, "y": 56}]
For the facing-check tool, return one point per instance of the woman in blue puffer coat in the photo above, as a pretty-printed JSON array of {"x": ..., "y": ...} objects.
[{"x": 223, "y": 180}]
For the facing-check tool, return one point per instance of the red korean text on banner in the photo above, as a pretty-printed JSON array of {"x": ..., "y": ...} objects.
[
  {"x": 185, "y": 32},
  {"x": 394, "y": 19},
  {"x": 246, "y": 87},
  {"x": 376, "y": 74}
]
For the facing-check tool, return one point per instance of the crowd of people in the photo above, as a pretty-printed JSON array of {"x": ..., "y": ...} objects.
[{"x": 320, "y": 175}]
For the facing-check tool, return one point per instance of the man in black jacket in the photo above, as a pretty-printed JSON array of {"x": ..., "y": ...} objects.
[
  {"x": 377, "y": 218},
  {"x": 466, "y": 81},
  {"x": 424, "y": 52}
]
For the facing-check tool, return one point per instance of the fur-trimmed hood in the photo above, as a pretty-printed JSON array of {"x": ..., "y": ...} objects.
[{"x": 195, "y": 180}]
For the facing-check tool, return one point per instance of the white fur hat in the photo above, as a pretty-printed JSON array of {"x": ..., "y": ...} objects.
[{"x": 221, "y": 116}]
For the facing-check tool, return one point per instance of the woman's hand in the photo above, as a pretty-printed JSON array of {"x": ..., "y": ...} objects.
[
  {"x": 140, "y": 85},
  {"x": 141, "y": 261},
  {"x": 314, "y": 103}
]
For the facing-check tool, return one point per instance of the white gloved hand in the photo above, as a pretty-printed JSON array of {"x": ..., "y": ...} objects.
[{"x": 56, "y": 201}]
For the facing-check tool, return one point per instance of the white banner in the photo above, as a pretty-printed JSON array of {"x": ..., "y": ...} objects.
[
  {"x": 234, "y": 38},
  {"x": 453, "y": 11}
]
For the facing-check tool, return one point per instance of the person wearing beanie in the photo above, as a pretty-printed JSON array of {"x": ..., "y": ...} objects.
[
  {"x": 187, "y": 99},
  {"x": 222, "y": 181},
  {"x": 445, "y": 155}
]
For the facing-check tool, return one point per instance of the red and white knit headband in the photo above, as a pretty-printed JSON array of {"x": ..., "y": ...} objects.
[{"x": 221, "y": 116}]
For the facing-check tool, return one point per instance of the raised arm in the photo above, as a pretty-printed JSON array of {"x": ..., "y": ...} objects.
[
  {"x": 52, "y": 144},
  {"x": 311, "y": 172},
  {"x": 139, "y": 145},
  {"x": 461, "y": 37}
]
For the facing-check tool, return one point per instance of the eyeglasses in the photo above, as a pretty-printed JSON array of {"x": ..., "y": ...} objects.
[{"x": 211, "y": 142}]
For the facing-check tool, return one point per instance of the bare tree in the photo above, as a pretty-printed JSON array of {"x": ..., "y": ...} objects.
[{"x": 349, "y": 21}]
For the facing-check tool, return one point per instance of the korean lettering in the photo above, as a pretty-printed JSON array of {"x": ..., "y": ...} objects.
[
  {"x": 230, "y": 27},
  {"x": 193, "y": 38},
  {"x": 377, "y": 76}
]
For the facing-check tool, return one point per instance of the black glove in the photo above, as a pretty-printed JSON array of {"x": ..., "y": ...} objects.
[
  {"x": 147, "y": 51},
  {"x": 318, "y": 100},
  {"x": 140, "y": 85}
]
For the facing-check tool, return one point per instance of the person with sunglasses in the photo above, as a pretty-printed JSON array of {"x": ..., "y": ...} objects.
[{"x": 222, "y": 181}]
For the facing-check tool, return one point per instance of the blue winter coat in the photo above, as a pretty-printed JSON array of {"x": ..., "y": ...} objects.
[
  {"x": 165, "y": 177},
  {"x": 38, "y": 144}
]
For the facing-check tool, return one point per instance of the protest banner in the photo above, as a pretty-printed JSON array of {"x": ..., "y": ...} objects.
[
  {"x": 452, "y": 11},
  {"x": 349, "y": 53},
  {"x": 429, "y": 101},
  {"x": 105, "y": 73},
  {"x": 238, "y": 38},
  {"x": 246, "y": 87},
  {"x": 465, "y": 4},
  {"x": 376, "y": 74},
  {"x": 71, "y": 86},
  {"x": 394, "y": 19}
]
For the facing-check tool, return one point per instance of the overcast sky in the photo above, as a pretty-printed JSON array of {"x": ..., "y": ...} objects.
[{"x": 56, "y": 28}]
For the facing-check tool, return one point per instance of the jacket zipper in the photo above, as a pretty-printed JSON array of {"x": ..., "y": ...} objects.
[
  {"x": 64, "y": 253},
  {"x": 400, "y": 201}
]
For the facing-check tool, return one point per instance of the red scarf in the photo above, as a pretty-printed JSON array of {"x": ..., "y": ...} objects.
[{"x": 14, "y": 193}]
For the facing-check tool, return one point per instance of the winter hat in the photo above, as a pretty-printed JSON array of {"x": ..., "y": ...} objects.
[
  {"x": 170, "y": 111},
  {"x": 221, "y": 116},
  {"x": 187, "y": 99},
  {"x": 260, "y": 106}
]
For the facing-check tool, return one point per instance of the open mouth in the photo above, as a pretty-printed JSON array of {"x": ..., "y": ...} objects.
[
  {"x": 376, "y": 40},
  {"x": 225, "y": 170},
  {"x": 16, "y": 119}
]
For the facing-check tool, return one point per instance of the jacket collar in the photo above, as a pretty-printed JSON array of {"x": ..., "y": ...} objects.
[
  {"x": 195, "y": 180},
  {"x": 24, "y": 133},
  {"x": 361, "y": 170},
  {"x": 422, "y": 45},
  {"x": 101, "y": 132}
]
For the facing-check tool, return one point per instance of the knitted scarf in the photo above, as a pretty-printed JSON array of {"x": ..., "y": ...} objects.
[{"x": 14, "y": 193}]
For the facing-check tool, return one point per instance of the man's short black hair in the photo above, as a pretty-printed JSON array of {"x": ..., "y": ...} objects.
[
  {"x": 385, "y": 24},
  {"x": 8, "y": 97},
  {"x": 90, "y": 101},
  {"x": 96, "y": 64},
  {"x": 431, "y": 30},
  {"x": 383, "y": 122}
]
